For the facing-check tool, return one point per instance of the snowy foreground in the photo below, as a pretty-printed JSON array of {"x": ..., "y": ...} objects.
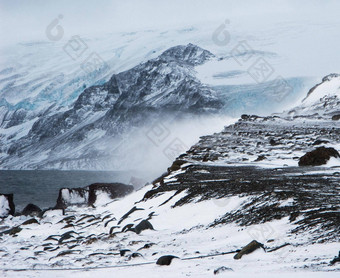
[{"x": 94, "y": 245}]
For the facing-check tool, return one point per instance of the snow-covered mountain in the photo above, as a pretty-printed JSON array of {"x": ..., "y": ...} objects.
[
  {"x": 44, "y": 93},
  {"x": 103, "y": 114},
  {"x": 98, "y": 129}
]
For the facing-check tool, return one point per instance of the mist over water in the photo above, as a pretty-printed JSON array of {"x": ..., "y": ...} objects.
[{"x": 151, "y": 149}]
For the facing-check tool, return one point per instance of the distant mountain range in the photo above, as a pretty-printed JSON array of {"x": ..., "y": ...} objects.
[{"x": 99, "y": 130}]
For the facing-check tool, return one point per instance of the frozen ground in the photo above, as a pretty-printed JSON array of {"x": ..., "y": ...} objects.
[{"x": 200, "y": 209}]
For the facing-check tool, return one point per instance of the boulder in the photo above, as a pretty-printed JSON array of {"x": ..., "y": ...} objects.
[
  {"x": 249, "y": 248},
  {"x": 317, "y": 157},
  {"x": 260, "y": 158},
  {"x": 272, "y": 142},
  {"x": 7, "y": 206},
  {"x": 112, "y": 190},
  {"x": 336, "y": 117},
  {"x": 166, "y": 260},
  {"x": 89, "y": 195},
  {"x": 30, "y": 221},
  {"x": 143, "y": 225},
  {"x": 72, "y": 196},
  {"x": 31, "y": 210}
]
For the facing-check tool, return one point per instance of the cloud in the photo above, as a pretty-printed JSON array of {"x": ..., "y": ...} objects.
[{"x": 25, "y": 20}]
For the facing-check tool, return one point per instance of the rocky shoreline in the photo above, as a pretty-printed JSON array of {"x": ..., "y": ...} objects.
[{"x": 84, "y": 196}]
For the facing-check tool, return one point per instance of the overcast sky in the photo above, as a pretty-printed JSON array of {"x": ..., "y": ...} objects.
[{"x": 22, "y": 20}]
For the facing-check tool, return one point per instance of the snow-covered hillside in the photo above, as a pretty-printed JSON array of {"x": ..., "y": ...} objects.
[{"x": 323, "y": 99}]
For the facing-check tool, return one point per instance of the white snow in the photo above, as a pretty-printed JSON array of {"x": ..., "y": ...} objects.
[
  {"x": 182, "y": 231},
  {"x": 4, "y": 206},
  {"x": 327, "y": 88}
]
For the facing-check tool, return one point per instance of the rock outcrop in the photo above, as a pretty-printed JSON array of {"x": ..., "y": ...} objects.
[
  {"x": 319, "y": 156},
  {"x": 89, "y": 194},
  {"x": 7, "y": 206}
]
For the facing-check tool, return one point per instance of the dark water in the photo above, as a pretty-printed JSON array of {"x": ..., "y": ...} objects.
[{"x": 42, "y": 187}]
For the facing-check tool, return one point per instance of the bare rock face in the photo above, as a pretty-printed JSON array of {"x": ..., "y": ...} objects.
[
  {"x": 7, "y": 206},
  {"x": 319, "y": 156}
]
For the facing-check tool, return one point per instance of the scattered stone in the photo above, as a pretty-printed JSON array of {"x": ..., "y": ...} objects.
[
  {"x": 126, "y": 215},
  {"x": 272, "y": 142},
  {"x": 123, "y": 252},
  {"x": 7, "y": 206},
  {"x": 335, "y": 260},
  {"x": 249, "y": 248},
  {"x": 12, "y": 232},
  {"x": 319, "y": 142},
  {"x": 31, "y": 210},
  {"x": 166, "y": 260},
  {"x": 68, "y": 226},
  {"x": 127, "y": 227},
  {"x": 260, "y": 158},
  {"x": 112, "y": 228},
  {"x": 65, "y": 237},
  {"x": 107, "y": 222},
  {"x": 67, "y": 252},
  {"x": 135, "y": 255},
  {"x": 222, "y": 269},
  {"x": 51, "y": 237},
  {"x": 30, "y": 221},
  {"x": 293, "y": 216},
  {"x": 147, "y": 246},
  {"x": 336, "y": 117},
  {"x": 67, "y": 219},
  {"x": 318, "y": 157},
  {"x": 277, "y": 248},
  {"x": 86, "y": 216},
  {"x": 143, "y": 225}
]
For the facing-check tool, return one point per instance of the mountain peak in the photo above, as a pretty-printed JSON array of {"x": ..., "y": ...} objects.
[{"x": 190, "y": 53}]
